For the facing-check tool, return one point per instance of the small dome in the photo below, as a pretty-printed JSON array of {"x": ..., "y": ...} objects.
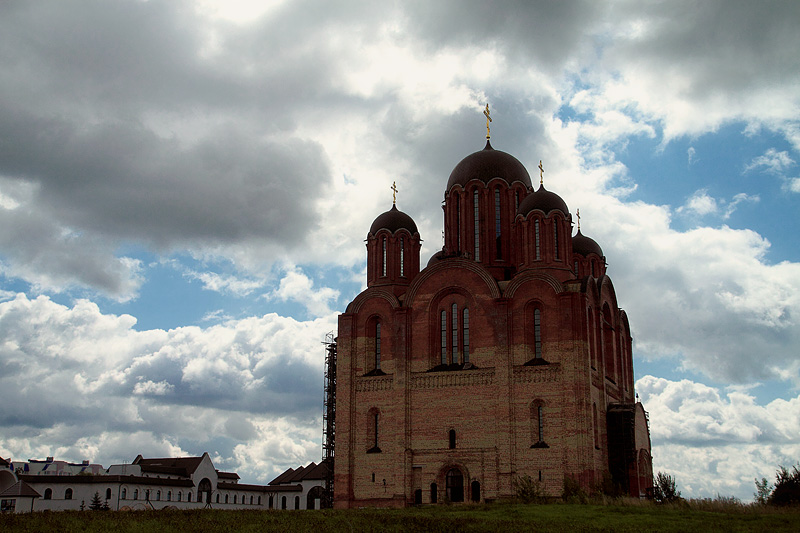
[
  {"x": 583, "y": 245},
  {"x": 393, "y": 220},
  {"x": 486, "y": 165},
  {"x": 435, "y": 258},
  {"x": 544, "y": 201}
]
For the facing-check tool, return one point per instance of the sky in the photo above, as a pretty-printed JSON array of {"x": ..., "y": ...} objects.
[{"x": 185, "y": 189}]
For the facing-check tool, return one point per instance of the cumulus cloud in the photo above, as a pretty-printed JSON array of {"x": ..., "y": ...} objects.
[
  {"x": 90, "y": 377},
  {"x": 297, "y": 287},
  {"x": 717, "y": 442}
]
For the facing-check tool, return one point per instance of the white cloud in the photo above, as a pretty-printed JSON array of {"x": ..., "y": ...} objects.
[
  {"x": 297, "y": 287},
  {"x": 717, "y": 443},
  {"x": 773, "y": 162}
]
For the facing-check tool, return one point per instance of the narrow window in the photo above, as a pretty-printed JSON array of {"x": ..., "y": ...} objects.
[
  {"x": 188, "y": 496},
  {"x": 297, "y": 502},
  {"x": 434, "y": 493},
  {"x": 458, "y": 223},
  {"x": 251, "y": 499},
  {"x": 169, "y": 496},
  {"x": 555, "y": 237},
  {"x": 383, "y": 263},
  {"x": 376, "y": 419},
  {"x": 48, "y": 494},
  {"x": 476, "y": 491},
  {"x": 576, "y": 267},
  {"x": 596, "y": 432},
  {"x": 158, "y": 496},
  {"x": 270, "y": 502},
  {"x": 283, "y": 502},
  {"x": 537, "y": 333},
  {"x": 402, "y": 257},
  {"x": 466, "y": 336},
  {"x": 108, "y": 494},
  {"x": 455, "y": 485},
  {"x": 497, "y": 239},
  {"x": 477, "y": 222},
  {"x": 454, "y": 328},
  {"x": 540, "y": 416},
  {"x": 226, "y": 498},
  {"x": 68, "y": 494},
  {"x": 452, "y": 439},
  {"x": 516, "y": 201},
  {"x": 444, "y": 337},
  {"x": 235, "y": 498},
  {"x": 136, "y": 494},
  {"x": 593, "y": 274},
  {"x": 378, "y": 346},
  {"x": 536, "y": 239}
]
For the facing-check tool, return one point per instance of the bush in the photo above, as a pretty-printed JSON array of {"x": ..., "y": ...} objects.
[
  {"x": 573, "y": 492},
  {"x": 665, "y": 489},
  {"x": 526, "y": 490}
]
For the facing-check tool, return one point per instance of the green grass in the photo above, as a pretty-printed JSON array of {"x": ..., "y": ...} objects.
[{"x": 563, "y": 518}]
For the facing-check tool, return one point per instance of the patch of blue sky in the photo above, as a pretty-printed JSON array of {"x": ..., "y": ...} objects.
[{"x": 718, "y": 165}]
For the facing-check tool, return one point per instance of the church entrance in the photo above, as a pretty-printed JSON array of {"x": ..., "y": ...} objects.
[{"x": 455, "y": 485}]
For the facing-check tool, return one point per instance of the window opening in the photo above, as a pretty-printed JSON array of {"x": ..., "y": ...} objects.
[
  {"x": 555, "y": 237},
  {"x": 497, "y": 225},
  {"x": 466, "y": 336},
  {"x": 48, "y": 494},
  {"x": 434, "y": 493},
  {"x": 576, "y": 267},
  {"x": 455, "y": 485},
  {"x": 536, "y": 239},
  {"x": 537, "y": 333},
  {"x": 108, "y": 494},
  {"x": 477, "y": 222},
  {"x": 540, "y": 416},
  {"x": 383, "y": 263},
  {"x": 402, "y": 257},
  {"x": 378, "y": 346},
  {"x": 452, "y": 439},
  {"x": 444, "y": 336},
  {"x": 476, "y": 491},
  {"x": 454, "y": 322}
]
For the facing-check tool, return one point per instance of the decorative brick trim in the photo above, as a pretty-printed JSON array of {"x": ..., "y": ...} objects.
[
  {"x": 537, "y": 374},
  {"x": 372, "y": 384},
  {"x": 435, "y": 380}
]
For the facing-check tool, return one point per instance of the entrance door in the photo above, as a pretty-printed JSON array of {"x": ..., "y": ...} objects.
[{"x": 455, "y": 485}]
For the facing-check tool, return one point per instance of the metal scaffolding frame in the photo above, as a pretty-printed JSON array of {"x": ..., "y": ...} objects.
[{"x": 329, "y": 418}]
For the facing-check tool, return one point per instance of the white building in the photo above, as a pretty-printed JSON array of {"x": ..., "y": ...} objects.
[{"x": 180, "y": 483}]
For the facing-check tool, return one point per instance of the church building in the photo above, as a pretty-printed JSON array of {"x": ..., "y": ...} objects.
[{"x": 506, "y": 356}]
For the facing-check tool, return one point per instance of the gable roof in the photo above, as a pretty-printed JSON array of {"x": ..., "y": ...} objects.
[
  {"x": 312, "y": 471},
  {"x": 179, "y": 466},
  {"x": 20, "y": 489}
]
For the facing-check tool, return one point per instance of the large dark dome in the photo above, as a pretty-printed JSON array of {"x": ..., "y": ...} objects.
[
  {"x": 583, "y": 245},
  {"x": 486, "y": 165},
  {"x": 393, "y": 220},
  {"x": 544, "y": 201}
]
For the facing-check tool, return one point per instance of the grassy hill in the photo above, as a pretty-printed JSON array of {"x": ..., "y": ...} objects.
[{"x": 562, "y": 518}]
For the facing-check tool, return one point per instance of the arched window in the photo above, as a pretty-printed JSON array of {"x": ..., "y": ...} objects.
[
  {"x": 476, "y": 491},
  {"x": 454, "y": 332},
  {"x": 378, "y": 346},
  {"x": 235, "y": 498},
  {"x": 455, "y": 485},
  {"x": 402, "y": 257},
  {"x": 68, "y": 494},
  {"x": 108, "y": 494},
  {"x": 537, "y": 239},
  {"x": 596, "y": 428},
  {"x": 270, "y": 502},
  {"x": 457, "y": 200},
  {"x": 180, "y": 496},
  {"x": 189, "y": 496},
  {"x": 383, "y": 262},
  {"x": 124, "y": 494},
  {"x": 497, "y": 225},
  {"x": 297, "y": 502},
  {"x": 251, "y": 499},
  {"x": 576, "y": 267},
  {"x": 434, "y": 493},
  {"x": 158, "y": 496},
  {"x": 218, "y": 497},
  {"x": 136, "y": 494},
  {"x": 374, "y": 415},
  {"x": 147, "y": 495},
  {"x": 444, "y": 336},
  {"x": 537, "y": 424},
  {"x": 48, "y": 494},
  {"x": 466, "y": 335},
  {"x": 555, "y": 237},
  {"x": 283, "y": 502},
  {"x": 537, "y": 333},
  {"x": 259, "y": 500},
  {"x": 226, "y": 498},
  {"x": 477, "y": 222},
  {"x": 452, "y": 439}
]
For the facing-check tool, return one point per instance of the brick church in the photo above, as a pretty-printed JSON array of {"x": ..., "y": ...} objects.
[{"x": 506, "y": 356}]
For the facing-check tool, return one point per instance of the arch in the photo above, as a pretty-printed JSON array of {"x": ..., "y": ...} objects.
[
  {"x": 251, "y": 499},
  {"x": 7, "y": 479},
  {"x": 532, "y": 275},
  {"x": 370, "y": 293},
  {"x": 158, "y": 496},
  {"x": 217, "y": 498},
  {"x": 204, "y": 487},
  {"x": 189, "y": 496},
  {"x": 226, "y": 498},
  {"x": 235, "y": 499},
  {"x": 283, "y": 502},
  {"x": 493, "y": 289},
  {"x": 180, "y": 496},
  {"x": 68, "y": 494},
  {"x": 454, "y": 483},
  {"x": 297, "y": 502},
  {"x": 48, "y": 493},
  {"x": 475, "y": 491},
  {"x": 136, "y": 495},
  {"x": 314, "y": 497}
]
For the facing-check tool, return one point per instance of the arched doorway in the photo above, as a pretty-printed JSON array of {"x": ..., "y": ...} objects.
[
  {"x": 475, "y": 489},
  {"x": 314, "y": 498},
  {"x": 454, "y": 481},
  {"x": 204, "y": 488}
]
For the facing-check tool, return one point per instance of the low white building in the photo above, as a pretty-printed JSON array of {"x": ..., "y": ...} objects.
[{"x": 180, "y": 483}]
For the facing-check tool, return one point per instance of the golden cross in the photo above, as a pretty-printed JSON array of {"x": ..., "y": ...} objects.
[
  {"x": 541, "y": 173},
  {"x": 488, "y": 119},
  {"x": 578, "y": 214},
  {"x": 394, "y": 192}
]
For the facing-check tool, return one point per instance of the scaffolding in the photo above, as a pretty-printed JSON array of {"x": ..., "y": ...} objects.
[{"x": 329, "y": 418}]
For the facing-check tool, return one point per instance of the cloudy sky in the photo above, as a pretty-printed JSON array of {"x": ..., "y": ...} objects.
[{"x": 185, "y": 188}]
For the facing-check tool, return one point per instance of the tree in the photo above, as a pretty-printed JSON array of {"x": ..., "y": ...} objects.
[
  {"x": 96, "y": 504},
  {"x": 763, "y": 490},
  {"x": 665, "y": 489},
  {"x": 787, "y": 487}
]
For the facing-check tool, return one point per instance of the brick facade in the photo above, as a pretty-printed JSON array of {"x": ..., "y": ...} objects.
[{"x": 500, "y": 359}]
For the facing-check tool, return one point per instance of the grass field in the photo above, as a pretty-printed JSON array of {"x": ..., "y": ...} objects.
[{"x": 563, "y": 518}]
